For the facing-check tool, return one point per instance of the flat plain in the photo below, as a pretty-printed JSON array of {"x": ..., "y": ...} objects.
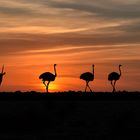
[{"x": 69, "y": 115}]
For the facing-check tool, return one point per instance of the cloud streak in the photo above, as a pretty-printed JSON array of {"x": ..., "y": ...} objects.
[
  {"x": 21, "y": 42},
  {"x": 101, "y": 8}
]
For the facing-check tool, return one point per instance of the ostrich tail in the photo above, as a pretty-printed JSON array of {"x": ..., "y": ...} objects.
[
  {"x": 2, "y": 69},
  {"x": 81, "y": 76}
]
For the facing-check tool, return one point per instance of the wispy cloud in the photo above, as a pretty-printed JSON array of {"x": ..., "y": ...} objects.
[
  {"x": 21, "y": 42},
  {"x": 102, "y": 8}
]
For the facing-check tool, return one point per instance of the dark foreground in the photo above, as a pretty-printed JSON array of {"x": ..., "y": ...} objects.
[{"x": 84, "y": 116}]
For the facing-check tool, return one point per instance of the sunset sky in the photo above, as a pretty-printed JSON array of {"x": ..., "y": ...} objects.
[{"x": 74, "y": 34}]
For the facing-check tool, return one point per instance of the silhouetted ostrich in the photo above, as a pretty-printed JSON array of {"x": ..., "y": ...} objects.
[
  {"x": 114, "y": 76},
  {"x": 47, "y": 76},
  {"x": 87, "y": 77},
  {"x": 2, "y": 74}
]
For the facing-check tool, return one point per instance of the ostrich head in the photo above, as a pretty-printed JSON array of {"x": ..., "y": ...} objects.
[
  {"x": 93, "y": 65},
  {"x": 120, "y": 69},
  {"x": 55, "y": 65}
]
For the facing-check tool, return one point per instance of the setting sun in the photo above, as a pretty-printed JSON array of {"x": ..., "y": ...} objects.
[
  {"x": 42, "y": 88},
  {"x": 53, "y": 87}
]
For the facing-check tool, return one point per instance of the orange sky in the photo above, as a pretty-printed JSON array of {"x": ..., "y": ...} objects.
[{"x": 36, "y": 34}]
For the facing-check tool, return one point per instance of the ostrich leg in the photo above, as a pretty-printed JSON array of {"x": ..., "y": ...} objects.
[
  {"x": 0, "y": 80},
  {"x": 47, "y": 89},
  {"x": 47, "y": 86},
  {"x": 112, "y": 86},
  {"x": 86, "y": 86},
  {"x": 89, "y": 88}
]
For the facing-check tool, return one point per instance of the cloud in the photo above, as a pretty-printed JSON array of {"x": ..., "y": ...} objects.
[
  {"x": 14, "y": 11},
  {"x": 24, "y": 9},
  {"x": 128, "y": 27},
  {"x": 21, "y": 42},
  {"x": 56, "y": 23},
  {"x": 78, "y": 14},
  {"x": 105, "y": 9}
]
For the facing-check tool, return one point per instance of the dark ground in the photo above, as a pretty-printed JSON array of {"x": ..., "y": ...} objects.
[{"x": 71, "y": 115}]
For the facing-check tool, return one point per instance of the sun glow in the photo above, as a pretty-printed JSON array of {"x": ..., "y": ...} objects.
[{"x": 52, "y": 87}]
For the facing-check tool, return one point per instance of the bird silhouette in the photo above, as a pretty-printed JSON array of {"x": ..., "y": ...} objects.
[
  {"x": 47, "y": 76},
  {"x": 2, "y": 74},
  {"x": 114, "y": 76},
  {"x": 87, "y": 77}
]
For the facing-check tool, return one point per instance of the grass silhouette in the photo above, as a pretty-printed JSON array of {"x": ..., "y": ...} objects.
[{"x": 69, "y": 95}]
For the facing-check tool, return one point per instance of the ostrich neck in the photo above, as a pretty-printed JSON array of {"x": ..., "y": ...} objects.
[
  {"x": 55, "y": 71},
  {"x": 120, "y": 71},
  {"x": 93, "y": 70}
]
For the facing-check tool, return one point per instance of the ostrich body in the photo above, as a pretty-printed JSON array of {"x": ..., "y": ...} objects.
[
  {"x": 114, "y": 76},
  {"x": 47, "y": 76},
  {"x": 2, "y": 74},
  {"x": 87, "y": 77}
]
